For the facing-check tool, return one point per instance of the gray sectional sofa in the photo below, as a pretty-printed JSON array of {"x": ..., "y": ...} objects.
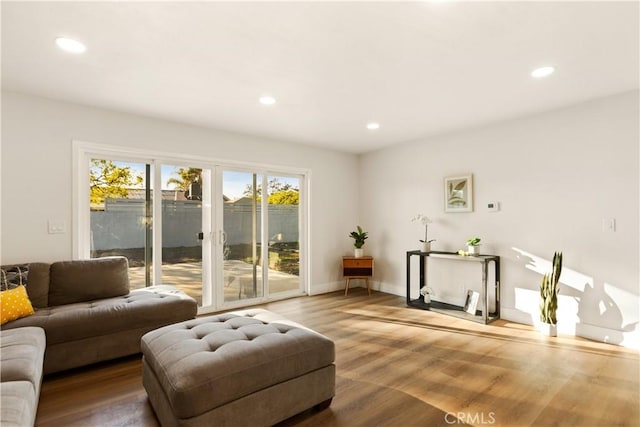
[{"x": 89, "y": 314}]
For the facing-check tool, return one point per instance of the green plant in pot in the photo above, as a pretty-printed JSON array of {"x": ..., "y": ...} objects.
[
  {"x": 359, "y": 236},
  {"x": 473, "y": 246},
  {"x": 549, "y": 289}
]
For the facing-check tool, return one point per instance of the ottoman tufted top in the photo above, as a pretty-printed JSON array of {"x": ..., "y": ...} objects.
[{"x": 207, "y": 362}]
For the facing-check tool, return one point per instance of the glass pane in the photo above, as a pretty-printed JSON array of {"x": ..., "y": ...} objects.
[
  {"x": 284, "y": 247},
  {"x": 181, "y": 225},
  {"x": 120, "y": 212},
  {"x": 242, "y": 267}
]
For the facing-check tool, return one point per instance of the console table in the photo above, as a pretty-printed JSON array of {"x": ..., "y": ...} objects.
[{"x": 482, "y": 315}]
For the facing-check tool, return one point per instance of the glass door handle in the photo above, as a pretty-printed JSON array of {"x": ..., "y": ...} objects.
[
  {"x": 223, "y": 237},
  {"x": 201, "y": 236}
]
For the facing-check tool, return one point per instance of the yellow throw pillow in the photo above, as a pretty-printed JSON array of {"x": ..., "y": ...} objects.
[{"x": 14, "y": 304}]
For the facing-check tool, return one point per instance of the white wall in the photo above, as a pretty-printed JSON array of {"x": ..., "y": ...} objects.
[
  {"x": 36, "y": 175},
  {"x": 556, "y": 175}
]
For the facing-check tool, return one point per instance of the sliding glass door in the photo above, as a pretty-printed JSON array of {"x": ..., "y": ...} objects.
[
  {"x": 225, "y": 236},
  {"x": 241, "y": 224},
  {"x": 120, "y": 203},
  {"x": 185, "y": 222},
  {"x": 261, "y": 253},
  {"x": 283, "y": 221}
]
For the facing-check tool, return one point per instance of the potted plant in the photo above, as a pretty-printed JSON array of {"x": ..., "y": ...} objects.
[
  {"x": 473, "y": 246},
  {"x": 424, "y": 220},
  {"x": 549, "y": 289},
  {"x": 359, "y": 236}
]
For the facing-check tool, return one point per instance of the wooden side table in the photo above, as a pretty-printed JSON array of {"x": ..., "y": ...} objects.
[{"x": 357, "y": 268}]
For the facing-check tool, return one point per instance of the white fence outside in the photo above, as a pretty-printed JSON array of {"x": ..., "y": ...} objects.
[{"x": 121, "y": 224}]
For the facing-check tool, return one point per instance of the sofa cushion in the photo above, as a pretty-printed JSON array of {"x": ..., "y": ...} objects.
[
  {"x": 22, "y": 353},
  {"x": 87, "y": 280},
  {"x": 14, "y": 304},
  {"x": 18, "y": 404},
  {"x": 148, "y": 307}
]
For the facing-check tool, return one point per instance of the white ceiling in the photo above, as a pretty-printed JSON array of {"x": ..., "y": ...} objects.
[{"x": 418, "y": 68}]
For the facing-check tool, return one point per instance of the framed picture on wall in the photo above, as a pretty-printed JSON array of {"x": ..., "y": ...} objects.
[{"x": 458, "y": 193}]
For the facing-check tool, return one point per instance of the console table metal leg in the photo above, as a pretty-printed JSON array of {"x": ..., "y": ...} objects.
[{"x": 485, "y": 294}]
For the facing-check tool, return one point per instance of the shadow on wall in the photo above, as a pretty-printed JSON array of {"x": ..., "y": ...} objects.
[
  {"x": 598, "y": 315},
  {"x": 598, "y": 308}
]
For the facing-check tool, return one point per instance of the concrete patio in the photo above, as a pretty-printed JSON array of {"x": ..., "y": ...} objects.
[{"x": 238, "y": 278}]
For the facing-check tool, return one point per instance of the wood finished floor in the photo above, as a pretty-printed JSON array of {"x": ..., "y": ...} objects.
[{"x": 398, "y": 366}]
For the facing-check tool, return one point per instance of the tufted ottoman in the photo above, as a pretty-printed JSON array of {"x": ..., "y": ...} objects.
[{"x": 248, "y": 367}]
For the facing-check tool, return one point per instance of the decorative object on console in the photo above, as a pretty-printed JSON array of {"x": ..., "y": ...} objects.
[
  {"x": 426, "y": 293},
  {"x": 359, "y": 236},
  {"x": 424, "y": 220},
  {"x": 458, "y": 193},
  {"x": 549, "y": 289},
  {"x": 471, "y": 302},
  {"x": 473, "y": 246}
]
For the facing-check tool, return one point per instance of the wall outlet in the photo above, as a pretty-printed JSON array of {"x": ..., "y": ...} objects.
[
  {"x": 57, "y": 227},
  {"x": 609, "y": 224}
]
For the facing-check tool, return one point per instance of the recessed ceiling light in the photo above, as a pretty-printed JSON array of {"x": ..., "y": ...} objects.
[
  {"x": 373, "y": 126},
  {"x": 542, "y": 72},
  {"x": 267, "y": 100},
  {"x": 70, "y": 45}
]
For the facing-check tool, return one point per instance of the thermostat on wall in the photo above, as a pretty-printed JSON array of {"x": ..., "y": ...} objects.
[{"x": 493, "y": 206}]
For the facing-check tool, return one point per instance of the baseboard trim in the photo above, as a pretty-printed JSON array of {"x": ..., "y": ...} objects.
[
  {"x": 388, "y": 288},
  {"x": 325, "y": 288},
  {"x": 629, "y": 339}
]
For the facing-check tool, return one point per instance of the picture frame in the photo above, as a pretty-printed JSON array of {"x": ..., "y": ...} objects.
[
  {"x": 458, "y": 193},
  {"x": 471, "y": 302}
]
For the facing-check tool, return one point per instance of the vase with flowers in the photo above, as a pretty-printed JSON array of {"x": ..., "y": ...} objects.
[
  {"x": 426, "y": 293},
  {"x": 425, "y": 221}
]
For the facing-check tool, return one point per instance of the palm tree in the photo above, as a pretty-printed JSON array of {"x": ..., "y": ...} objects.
[{"x": 186, "y": 177}]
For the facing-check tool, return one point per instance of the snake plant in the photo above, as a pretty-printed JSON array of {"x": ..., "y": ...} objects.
[{"x": 549, "y": 289}]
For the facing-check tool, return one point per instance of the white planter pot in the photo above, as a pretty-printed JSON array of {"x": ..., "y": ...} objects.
[
  {"x": 427, "y": 298},
  {"x": 358, "y": 253},
  {"x": 425, "y": 247},
  {"x": 549, "y": 330},
  {"x": 473, "y": 250}
]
